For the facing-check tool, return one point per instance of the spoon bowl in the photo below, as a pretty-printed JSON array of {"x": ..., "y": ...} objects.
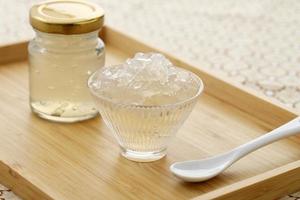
[{"x": 201, "y": 170}]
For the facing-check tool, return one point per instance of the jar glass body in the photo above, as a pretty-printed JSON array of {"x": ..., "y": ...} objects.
[{"x": 59, "y": 67}]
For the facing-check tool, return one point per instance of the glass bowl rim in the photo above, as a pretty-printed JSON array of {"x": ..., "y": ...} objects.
[{"x": 196, "y": 95}]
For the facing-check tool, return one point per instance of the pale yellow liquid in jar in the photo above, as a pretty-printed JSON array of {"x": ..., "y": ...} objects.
[{"x": 58, "y": 84}]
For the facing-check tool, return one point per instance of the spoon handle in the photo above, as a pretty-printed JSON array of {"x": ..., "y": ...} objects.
[{"x": 290, "y": 128}]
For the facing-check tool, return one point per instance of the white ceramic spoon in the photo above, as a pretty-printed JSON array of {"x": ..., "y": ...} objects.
[{"x": 201, "y": 170}]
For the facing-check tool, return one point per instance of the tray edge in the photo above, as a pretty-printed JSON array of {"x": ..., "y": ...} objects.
[
  {"x": 236, "y": 94},
  {"x": 11, "y": 179},
  {"x": 263, "y": 186}
]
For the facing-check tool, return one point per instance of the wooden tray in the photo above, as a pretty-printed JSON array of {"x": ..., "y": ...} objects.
[{"x": 44, "y": 160}]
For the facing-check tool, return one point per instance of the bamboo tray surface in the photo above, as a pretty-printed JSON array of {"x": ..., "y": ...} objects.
[{"x": 45, "y": 160}]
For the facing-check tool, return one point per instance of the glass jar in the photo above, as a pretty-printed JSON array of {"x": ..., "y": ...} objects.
[{"x": 64, "y": 53}]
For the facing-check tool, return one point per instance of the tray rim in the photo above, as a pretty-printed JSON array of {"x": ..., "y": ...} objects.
[
  {"x": 15, "y": 52},
  {"x": 115, "y": 37}
]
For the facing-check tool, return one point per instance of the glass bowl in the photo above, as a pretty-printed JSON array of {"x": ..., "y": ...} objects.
[{"x": 144, "y": 131}]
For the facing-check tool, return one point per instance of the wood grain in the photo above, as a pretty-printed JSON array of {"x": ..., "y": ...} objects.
[{"x": 44, "y": 160}]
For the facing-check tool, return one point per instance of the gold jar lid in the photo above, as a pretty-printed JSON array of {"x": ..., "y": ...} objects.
[{"x": 66, "y": 17}]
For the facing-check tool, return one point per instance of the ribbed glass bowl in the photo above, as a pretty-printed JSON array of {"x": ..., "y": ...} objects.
[{"x": 144, "y": 131}]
